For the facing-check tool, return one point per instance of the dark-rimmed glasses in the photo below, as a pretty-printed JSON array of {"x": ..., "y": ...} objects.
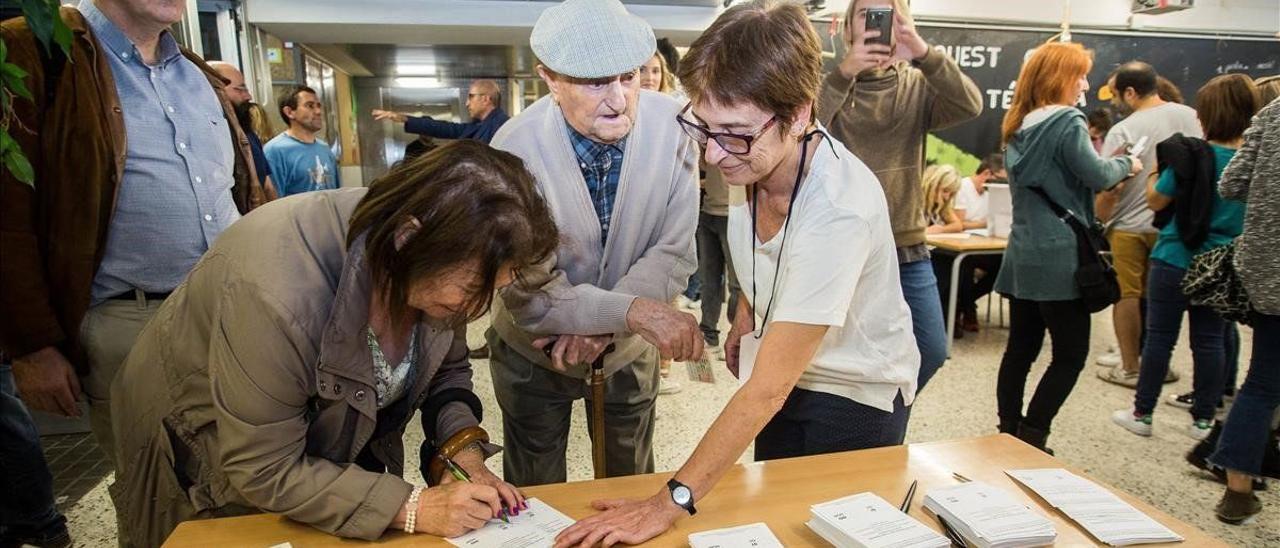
[{"x": 733, "y": 143}]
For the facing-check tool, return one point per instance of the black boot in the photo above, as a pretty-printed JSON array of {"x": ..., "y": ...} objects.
[
  {"x": 1034, "y": 437},
  {"x": 1009, "y": 426}
]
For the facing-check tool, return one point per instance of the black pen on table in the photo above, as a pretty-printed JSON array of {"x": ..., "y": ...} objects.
[
  {"x": 462, "y": 475},
  {"x": 911, "y": 492}
]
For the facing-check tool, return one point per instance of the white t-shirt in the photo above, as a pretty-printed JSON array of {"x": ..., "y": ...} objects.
[
  {"x": 1132, "y": 213},
  {"x": 975, "y": 206},
  {"x": 840, "y": 270}
]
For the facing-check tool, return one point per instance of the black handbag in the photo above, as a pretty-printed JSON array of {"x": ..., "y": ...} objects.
[
  {"x": 1211, "y": 280},
  {"x": 1095, "y": 276}
]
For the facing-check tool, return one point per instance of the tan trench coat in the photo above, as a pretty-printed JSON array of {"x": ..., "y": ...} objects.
[{"x": 252, "y": 388}]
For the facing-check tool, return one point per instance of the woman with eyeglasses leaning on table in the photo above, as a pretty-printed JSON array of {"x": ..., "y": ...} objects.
[
  {"x": 822, "y": 339},
  {"x": 281, "y": 375}
]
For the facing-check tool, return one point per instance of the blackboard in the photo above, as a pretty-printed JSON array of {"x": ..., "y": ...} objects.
[{"x": 993, "y": 57}]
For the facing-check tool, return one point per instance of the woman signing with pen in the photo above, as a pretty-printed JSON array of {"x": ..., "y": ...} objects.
[
  {"x": 822, "y": 341},
  {"x": 281, "y": 375}
]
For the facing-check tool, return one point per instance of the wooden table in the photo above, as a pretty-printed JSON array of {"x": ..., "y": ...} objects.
[
  {"x": 778, "y": 493},
  {"x": 961, "y": 248}
]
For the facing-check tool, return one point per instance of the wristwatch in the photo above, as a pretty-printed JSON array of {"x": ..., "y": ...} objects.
[{"x": 681, "y": 495}]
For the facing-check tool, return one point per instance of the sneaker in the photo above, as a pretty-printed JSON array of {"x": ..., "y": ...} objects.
[
  {"x": 1110, "y": 359},
  {"x": 1237, "y": 508},
  {"x": 687, "y": 303},
  {"x": 714, "y": 352},
  {"x": 1181, "y": 401},
  {"x": 1130, "y": 420},
  {"x": 1117, "y": 375},
  {"x": 1199, "y": 429},
  {"x": 1171, "y": 376},
  {"x": 667, "y": 386},
  {"x": 481, "y": 353}
]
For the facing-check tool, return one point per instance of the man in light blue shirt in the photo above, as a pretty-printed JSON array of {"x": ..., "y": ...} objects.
[{"x": 300, "y": 162}]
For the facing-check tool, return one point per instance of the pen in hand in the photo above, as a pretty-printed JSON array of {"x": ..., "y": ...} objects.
[{"x": 462, "y": 475}]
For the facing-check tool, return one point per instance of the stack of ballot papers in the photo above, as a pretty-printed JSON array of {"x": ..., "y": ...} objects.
[
  {"x": 536, "y": 527},
  {"x": 868, "y": 521},
  {"x": 1097, "y": 510},
  {"x": 756, "y": 535},
  {"x": 988, "y": 517}
]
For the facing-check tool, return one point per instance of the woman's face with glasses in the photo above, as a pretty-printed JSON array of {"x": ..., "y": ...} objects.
[{"x": 741, "y": 140}]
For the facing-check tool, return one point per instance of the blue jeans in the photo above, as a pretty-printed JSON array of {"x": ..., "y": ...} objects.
[
  {"x": 26, "y": 508},
  {"x": 1248, "y": 427},
  {"x": 1165, "y": 307},
  {"x": 920, "y": 288}
]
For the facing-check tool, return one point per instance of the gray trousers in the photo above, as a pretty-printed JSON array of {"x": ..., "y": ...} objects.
[
  {"x": 537, "y": 404},
  {"x": 107, "y": 334}
]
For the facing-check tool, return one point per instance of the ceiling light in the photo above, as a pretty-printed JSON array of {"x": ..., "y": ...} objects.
[
  {"x": 418, "y": 82},
  {"x": 416, "y": 70}
]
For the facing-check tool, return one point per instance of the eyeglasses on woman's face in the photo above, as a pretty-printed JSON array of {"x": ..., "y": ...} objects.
[{"x": 733, "y": 143}]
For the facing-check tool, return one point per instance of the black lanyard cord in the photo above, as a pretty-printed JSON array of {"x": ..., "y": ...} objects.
[{"x": 777, "y": 267}]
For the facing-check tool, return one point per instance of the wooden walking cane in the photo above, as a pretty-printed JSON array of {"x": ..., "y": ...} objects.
[
  {"x": 597, "y": 413},
  {"x": 597, "y": 407}
]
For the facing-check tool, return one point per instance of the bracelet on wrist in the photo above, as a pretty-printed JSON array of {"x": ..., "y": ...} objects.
[{"x": 411, "y": 510}]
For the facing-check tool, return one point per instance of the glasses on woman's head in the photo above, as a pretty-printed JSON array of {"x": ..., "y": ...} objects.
[{"x": 733, "y": 143}]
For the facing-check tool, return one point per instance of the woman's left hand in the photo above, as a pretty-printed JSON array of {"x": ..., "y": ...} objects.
[
  {"x": 910, "y": 46},
  {"x": 472, "y": 460},
  {"x": 622, "y": 521}
]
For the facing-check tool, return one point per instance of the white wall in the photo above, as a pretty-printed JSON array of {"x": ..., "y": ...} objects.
[{"x": 1226, "y": 16}]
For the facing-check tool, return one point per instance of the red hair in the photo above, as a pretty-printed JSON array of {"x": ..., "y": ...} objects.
[{"x": 1046, "y": 79}]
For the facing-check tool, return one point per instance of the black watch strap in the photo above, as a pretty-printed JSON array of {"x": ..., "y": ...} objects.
[{"x": 682, "y": 495}]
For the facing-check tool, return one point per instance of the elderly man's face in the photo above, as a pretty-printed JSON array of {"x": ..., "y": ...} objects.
[{"x": 601, "y": 109}]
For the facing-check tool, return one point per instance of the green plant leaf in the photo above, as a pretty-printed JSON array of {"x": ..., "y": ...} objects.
[
  {"x": 15, "y": 83},
  {"x": 6, "y": 142},
  {"x": 47, "y": 25},
  {"x": 16, "y": 162}
]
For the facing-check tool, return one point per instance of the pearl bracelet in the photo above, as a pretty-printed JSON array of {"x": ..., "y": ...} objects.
[{"x": 411, "y": 510}]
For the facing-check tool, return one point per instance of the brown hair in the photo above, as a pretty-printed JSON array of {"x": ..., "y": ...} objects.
[
  {"x": 1225, "y": 105},
  {"x": 474, "y": 203},
  {"x": 1045, "y": 79},
  {"x": 1269, "y": 87},
  {"x": 762, "y": 52},
  {"x": 1168, "y": 91}
]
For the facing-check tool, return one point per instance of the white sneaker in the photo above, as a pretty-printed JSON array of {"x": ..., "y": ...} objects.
[
  {"x": 667, "y": 386},
  {"x": 1110, "y": 359},
  {"x": 714, "y": 353},
  {"x": 1199, "y": 429},
  {"x": 1125, "y": 418}
]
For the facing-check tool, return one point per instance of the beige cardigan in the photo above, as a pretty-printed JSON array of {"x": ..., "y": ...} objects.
[{"x": 586, "y": 289}]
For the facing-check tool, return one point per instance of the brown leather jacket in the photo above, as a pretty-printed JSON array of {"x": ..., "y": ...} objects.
[{"x": 53, "y": 234}]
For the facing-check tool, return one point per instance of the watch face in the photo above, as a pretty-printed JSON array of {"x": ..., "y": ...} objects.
[{"x": 681, "y": 495}]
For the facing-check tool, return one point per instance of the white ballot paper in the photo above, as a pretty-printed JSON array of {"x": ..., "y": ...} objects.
[
  {"x": 747, "y": 356},
  {"x": 536, "y": 527},
  {"x": 986, "y": 516},
  {"x": 756, "y": 535},
  {"x": 868, "y": 521},
  {"x": 1099, "y": 511}
]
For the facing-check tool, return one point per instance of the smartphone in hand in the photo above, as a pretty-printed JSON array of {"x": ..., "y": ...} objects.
[{"x": 880, "y": 19}]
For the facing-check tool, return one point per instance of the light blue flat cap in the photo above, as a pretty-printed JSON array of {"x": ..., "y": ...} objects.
[{"x": 591, "y": 39}]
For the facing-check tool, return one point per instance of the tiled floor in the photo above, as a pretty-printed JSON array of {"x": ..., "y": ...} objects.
[
  {"x": 959, "y": 402},
  {"x": 77, "y": 464}
]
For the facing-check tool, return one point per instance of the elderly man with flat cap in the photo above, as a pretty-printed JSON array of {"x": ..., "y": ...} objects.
[{"x": 621, "y": 180}]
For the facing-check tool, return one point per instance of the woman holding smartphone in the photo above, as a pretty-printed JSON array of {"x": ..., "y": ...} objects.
[{"x": 822, "y": 339}]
